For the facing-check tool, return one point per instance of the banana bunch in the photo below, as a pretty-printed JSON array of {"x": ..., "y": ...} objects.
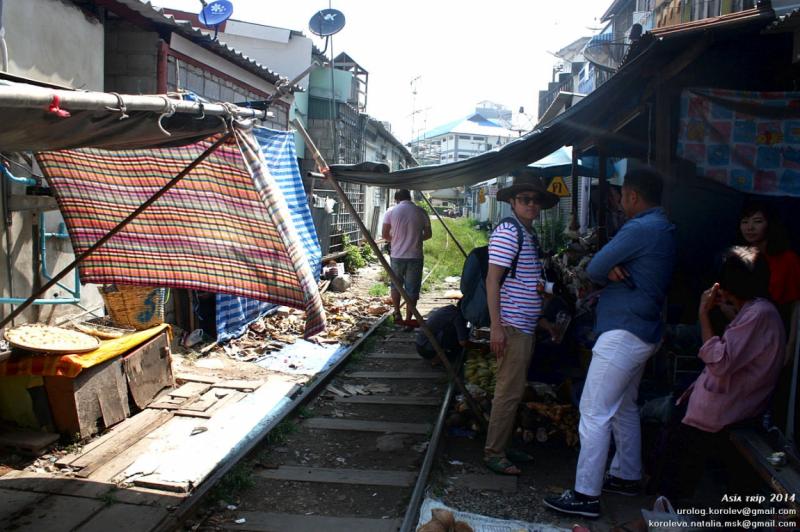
[{"x": 481, "y": 370}]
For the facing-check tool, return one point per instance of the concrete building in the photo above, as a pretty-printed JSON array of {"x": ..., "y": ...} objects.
[
  {"x": 346, "y": 135},
  {"x": 487, "y": 128},
  {"x": 351, "y": 136},
  {"x": 124, "y": 46}
]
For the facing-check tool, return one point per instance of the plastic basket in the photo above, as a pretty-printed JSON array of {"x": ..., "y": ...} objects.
[{"x": 140, "y": 307}]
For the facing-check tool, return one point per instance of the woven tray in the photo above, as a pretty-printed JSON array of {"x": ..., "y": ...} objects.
[{"x": 41, "y": 338}]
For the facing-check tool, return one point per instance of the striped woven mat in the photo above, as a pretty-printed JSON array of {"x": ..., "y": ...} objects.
[{"x": 224, "y": 228}]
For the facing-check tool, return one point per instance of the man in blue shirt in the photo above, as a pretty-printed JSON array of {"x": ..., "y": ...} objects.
[{"x": 635, "y": 269}]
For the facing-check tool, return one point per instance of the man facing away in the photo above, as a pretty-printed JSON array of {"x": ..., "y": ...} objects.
[
  {"x": 513, "y": 285},
  {"x": 635, "y": 269},
  {"x": 405, "y": 227}
]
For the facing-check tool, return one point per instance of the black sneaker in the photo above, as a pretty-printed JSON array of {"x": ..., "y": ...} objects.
[
  {"x": 621, "y": 486},
  {"x": 571, "y": 503}
]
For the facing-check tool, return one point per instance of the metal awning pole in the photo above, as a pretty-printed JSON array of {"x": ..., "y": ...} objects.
[
  {"x": 449, "y": 232},
  {"x": 398, "y": 283},
  {"x": 573, "y": 224},
  {"x": 13, "y": 97},
  {"x": 80, "y": 258}
]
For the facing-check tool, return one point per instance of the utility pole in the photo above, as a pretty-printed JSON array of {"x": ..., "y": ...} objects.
[{"x": 414, "y": 112}]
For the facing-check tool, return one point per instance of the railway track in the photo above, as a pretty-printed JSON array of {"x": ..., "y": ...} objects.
[{"x": 355, "y": 456}]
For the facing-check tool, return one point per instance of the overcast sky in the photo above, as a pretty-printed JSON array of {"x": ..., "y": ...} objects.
[{"x": 463, "y": 51}]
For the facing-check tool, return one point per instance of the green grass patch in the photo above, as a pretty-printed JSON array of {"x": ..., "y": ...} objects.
[
  {"x": 281, "y": 432},
  {"x": 379, "y": 290},
  {"x": 234, "y": 482},
  {"x": 442, "y": 255}
]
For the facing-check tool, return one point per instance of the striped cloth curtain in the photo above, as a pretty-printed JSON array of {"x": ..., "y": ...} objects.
[
  {"x": 234, "y": 314},
  {"x": 225, "y": 228}
]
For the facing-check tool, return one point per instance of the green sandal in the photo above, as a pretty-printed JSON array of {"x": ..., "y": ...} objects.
[
  {"x": 518, "y": 456},
  {"x": 501, "y": 465}
]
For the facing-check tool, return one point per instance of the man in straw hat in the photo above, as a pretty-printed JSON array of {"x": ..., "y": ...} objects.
[
  {"x": 634, "y": 269},
  {"x": 513, "y": 294}
]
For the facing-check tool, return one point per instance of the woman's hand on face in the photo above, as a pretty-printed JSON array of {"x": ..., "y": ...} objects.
[{"x": 709, "y": 300}]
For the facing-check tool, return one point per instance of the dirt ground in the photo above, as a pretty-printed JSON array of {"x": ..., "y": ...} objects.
[{"x": 216, "y": 362}]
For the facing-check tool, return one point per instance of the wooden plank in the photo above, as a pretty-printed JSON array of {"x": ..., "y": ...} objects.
[
  {"x": 362, "y": 477},
  {"x": 131, "y": 422},
  {"x": 54, "y": 484},
  {"x": 123, "y": 516},
  {"x": 149, "y": 370},
  {"x": 190, "y": 389},
  {"x": 404, "y": 339},
  {"x": 27, "y": 440},
  {"x": 231, "y": 396},
  {"x": 118, "y": 444},
  {"x": 479, "y": 482},
  {"x": 243, "y": 385},
  {"x": 75, "y": 403},
  {"x": 396, "y": 374},
  {"x": 272, "y": 522},
  {"x": 396, "y": 356},
  {"x": 755, "y": 450},
  {"x": 325, "y": 423},
  {"x": 183, "y": 378},
  {"x": 52, "y": 512},
  {"x": 14, "y": 502},
  {"x": 390, "y": 400},
  {"x": 173, "y": 455},
  {"x": 176, "y": 487},
  {"x": 112, "y": 410},
  {"x": 204, "y": 402}
]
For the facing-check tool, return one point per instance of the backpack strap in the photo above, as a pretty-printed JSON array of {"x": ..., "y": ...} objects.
[{"x": 512, "y": 270}]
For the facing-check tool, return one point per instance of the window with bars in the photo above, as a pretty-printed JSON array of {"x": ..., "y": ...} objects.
[
  {"x": 342, "y": 222},
  {"x": 204, "y": 83}
]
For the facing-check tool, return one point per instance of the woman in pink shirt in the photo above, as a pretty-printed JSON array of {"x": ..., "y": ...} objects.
[{"x": 741, "y": 369}]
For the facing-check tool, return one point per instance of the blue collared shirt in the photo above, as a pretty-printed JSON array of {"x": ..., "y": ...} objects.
[{"x": 645, "y": 247}]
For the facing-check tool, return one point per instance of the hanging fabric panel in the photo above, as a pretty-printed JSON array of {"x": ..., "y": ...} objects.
[
  {"x": 234, "y": 313},
  {"x": 224, "y": 228}
]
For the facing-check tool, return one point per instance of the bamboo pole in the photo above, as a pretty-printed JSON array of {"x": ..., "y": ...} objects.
[
  {"x": 80, "y": 258},
  {"x": 449, "y": 232},
  {"x": 323, "y": 168}
]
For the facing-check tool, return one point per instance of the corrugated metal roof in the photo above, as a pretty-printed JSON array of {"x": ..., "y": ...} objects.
[
  {"x": 185, "y": 28},
  {"x": 730, "y": 22},
  {"x": 788, "y": 22}
]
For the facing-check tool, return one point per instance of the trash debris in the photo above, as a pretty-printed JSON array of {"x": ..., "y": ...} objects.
[
  {"x": 193, "y": 338},
  {"x": 198, "y": 430},
  {"x": 240, "y": 521},
  {"x": 231, "y": 507}
]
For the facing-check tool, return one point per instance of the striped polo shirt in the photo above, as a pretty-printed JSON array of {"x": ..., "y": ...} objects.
[{"x": 520, "y": 301}]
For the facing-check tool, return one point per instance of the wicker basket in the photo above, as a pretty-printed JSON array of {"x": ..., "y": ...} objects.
[{"x": 140, "y": 307}]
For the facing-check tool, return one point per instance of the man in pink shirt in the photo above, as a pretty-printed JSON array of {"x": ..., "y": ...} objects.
[
  {"x": 742, "y": 368},
  {"x": 405, "y": 227}
]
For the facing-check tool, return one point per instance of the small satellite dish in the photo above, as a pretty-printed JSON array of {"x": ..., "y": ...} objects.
[
  {"x": 326, "y": 22},
  {"x": 215, "y": 13}
]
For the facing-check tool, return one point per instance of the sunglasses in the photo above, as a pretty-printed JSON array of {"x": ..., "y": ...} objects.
[{"x": 526, "y": 200}]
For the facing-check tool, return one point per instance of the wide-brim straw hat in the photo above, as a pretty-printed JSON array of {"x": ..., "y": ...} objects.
[{"x": 528, "y": 183}]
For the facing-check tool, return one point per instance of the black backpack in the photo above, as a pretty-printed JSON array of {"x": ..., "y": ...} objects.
[{"x": 473, "y": 279}]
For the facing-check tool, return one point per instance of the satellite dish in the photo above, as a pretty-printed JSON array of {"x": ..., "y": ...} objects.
[
  {"x": 603, "y": 52},
  {"x": 215, "y": 13},
  {"x": 326, "y": 22}
]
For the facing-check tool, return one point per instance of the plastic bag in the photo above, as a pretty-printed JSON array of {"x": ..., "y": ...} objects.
[{"x": 664, "y": 518}]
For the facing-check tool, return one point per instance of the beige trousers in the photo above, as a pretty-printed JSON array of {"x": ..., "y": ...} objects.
[{"x": 512, "y": 373}]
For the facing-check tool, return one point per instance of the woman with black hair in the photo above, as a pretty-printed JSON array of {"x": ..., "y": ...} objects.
[
  {"x": 741, "y": 369},
  {"x": 760, "y": 229}
]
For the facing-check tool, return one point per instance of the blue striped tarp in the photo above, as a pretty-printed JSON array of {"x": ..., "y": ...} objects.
[{"x": 234, "y": 314}]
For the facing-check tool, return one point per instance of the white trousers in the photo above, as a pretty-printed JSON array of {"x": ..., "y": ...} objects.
[{"x": 608, "y": 405}]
